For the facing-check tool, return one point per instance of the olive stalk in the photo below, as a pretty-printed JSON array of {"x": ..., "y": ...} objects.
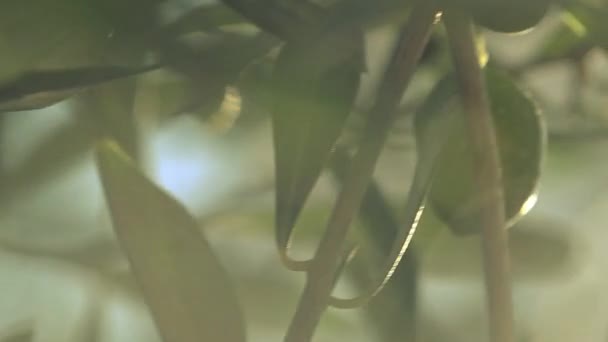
[
  {"x": 482, "y": 137},
  {"x": 328, "y": 258}
]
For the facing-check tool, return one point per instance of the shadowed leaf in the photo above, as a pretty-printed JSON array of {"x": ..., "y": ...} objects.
[
  {"x": 186, "y": 288},
  {"x": 313, "y": 95},
  {"x": 38, "y": 89}
]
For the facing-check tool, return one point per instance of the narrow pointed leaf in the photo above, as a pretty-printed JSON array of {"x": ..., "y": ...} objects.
[
  {"x": 186, "y": 288},
  {"x": 521, "y": 139},
  {"x": 38, "y": 89},
  {"x": 314, "y": 89}
]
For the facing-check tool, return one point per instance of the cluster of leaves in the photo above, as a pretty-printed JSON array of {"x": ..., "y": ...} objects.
[{"x": 310, "y": 94}]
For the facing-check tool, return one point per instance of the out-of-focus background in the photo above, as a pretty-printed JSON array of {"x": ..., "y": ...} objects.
[{"x": 63, "y": 277}]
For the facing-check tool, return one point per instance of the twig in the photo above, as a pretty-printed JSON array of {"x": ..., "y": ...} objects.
[
  {"x": 393, "y": 311},
  {"x": 328, "y": 257},
  {"x": 488, "y": 175}
]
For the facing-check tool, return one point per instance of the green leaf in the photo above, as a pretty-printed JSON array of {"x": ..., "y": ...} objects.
[
  {"x": 315, "y": 84},
  {"x": 521, "y": 139},
  {"x": 188, "y": 292},
  {"x": 38, "y": 89}
]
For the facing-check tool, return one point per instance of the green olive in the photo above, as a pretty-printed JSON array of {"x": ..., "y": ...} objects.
[
  {"x": 509, "y": 16},
  {"x": 454, "y": 196}
]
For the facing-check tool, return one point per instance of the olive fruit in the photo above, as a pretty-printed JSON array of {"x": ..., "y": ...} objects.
[
  {"x": 509, "y": 16},
  {"x": 454, "y": 196}
]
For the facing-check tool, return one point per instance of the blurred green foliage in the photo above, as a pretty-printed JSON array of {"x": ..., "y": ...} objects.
[{"x": 126, "y": 70}]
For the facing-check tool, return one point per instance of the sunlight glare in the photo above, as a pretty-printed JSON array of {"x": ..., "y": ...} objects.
[
  {"x": 187, "y": 163},
  {"x": 528, "y": 204}
]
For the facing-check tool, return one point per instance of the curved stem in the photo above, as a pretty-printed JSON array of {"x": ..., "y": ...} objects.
[
  {"x": 488, "y": 175},
  {"x": 393, "y": 311},
  {"x": 321, "y": 275}
]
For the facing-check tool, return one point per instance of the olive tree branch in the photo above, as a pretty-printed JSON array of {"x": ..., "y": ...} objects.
[
  {"x": 488, "y": 175},
  {"x": 329, "y": 255}
]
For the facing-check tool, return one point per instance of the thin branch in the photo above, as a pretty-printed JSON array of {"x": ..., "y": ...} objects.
[
  {"x": 393, "y": 311},
  {"x": 321, "y": 275},
  {"x": 488, "y": 175}
]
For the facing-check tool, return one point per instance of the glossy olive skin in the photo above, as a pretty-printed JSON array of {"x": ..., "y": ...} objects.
[
  {"x": 508, "y": 16},
  {"x": 455, "y": 197}
]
